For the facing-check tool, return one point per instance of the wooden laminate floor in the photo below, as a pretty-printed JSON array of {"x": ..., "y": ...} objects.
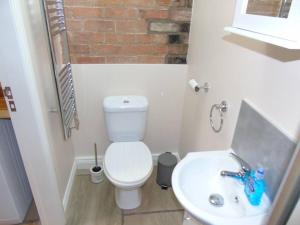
[
  {"x": 32, "y": 217},
  {"x": 34, "y": 223},
  {"x": 94, "y": 204}
]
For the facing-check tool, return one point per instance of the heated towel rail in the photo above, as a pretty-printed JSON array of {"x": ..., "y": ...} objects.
[{"x": 55, "y": 19}]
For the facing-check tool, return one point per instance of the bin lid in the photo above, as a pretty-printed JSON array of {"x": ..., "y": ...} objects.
[{"x": 167, "y": 159}]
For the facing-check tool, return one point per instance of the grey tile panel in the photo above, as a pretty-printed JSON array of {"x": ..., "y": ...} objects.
[{"x": 260, "y": 143}]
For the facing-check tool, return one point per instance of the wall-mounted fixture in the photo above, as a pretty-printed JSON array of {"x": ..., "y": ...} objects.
[
  {"x": 221, "y": 108},
  {"x": 58, "y": 41},
  {"x": 273, "y": 22},
  {"x": 196, "y": 87}
]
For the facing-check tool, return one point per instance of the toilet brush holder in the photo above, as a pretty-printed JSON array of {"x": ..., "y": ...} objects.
[
  {"x": 96, "y": 171},
  {"x": 97, "y": 175}
]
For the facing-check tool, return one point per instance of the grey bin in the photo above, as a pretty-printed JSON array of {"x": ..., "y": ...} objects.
[{"x": 166, "y": 164}]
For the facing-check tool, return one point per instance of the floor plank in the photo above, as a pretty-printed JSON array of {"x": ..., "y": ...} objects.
[
  {"x": 94, "y": 204},
  {"x": 173, "y": 218},
  {"x": 156, "y": 199}
]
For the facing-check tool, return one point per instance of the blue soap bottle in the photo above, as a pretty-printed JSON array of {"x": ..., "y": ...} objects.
[{"x": 255, "y": 186}]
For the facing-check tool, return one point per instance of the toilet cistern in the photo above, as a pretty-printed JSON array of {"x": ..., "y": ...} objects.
[{"x": 127, "y": 161}]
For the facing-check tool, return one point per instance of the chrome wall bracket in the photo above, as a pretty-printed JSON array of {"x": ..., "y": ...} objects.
[
  {"x": 222, "y": 108},
  {"x": 205, "y": 88},
  {"x": 58, "y": 42},
  {"x": 196, "y": 87}
]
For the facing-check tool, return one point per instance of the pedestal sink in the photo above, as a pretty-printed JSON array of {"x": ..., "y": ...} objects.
[{"x": 197, "y": 177}]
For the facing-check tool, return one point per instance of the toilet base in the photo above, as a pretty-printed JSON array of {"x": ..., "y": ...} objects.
[{"x": 128, "y": 199}]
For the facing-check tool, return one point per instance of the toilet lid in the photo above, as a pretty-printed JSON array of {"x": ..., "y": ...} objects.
[{"x": 128, "y": 162}]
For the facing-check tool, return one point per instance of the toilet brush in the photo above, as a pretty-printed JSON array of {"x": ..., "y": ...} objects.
[
  {"x": 96, "y": 167},
  {"x": 96, "y": 171}
]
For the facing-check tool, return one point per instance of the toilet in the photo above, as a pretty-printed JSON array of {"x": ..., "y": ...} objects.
[{"x": 128, "y": 161}]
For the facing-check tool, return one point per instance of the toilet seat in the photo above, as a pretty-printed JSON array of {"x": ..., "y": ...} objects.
[{"x": 128, "y": 164}]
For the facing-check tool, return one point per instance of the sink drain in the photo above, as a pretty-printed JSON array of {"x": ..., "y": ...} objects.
[{"x": 216, "y": 200}]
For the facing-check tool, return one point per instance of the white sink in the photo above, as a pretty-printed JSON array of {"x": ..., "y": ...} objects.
[{"x": 197, "y": 176}]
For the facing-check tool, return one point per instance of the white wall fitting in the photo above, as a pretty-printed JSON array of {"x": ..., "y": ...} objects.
[
  {"x": 15, "y": 194},
  {"x": 236, "y": 68},
  {"x": 21, "y": 63},
  {"x": 295, "y": 217},
  {"x": 163, "y": 85},
  {"x": 61, "y": 150}
]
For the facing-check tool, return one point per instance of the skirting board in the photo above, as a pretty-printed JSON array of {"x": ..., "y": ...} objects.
[
  {"x": 69, "y": 185},
  {"x": 85, "y": 163}
]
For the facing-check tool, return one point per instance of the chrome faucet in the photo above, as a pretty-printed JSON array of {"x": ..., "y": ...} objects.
[{"x": 245, "y": 168}]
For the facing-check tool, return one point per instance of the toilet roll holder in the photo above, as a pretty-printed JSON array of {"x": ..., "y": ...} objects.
[
  {"x": 196, "y": 87},
  {"x": 205, "y": 87}
]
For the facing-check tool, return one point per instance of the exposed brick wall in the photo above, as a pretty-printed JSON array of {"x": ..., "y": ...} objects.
[
  {"x": 128, "y": 31},
  {"x": 266, "y": 7}
]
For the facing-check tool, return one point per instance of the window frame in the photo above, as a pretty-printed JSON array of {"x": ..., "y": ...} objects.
[{"x": 284, "y": 28}]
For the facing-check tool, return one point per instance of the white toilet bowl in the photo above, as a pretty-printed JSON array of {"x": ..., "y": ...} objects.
[{"x": 128, "y": 165}]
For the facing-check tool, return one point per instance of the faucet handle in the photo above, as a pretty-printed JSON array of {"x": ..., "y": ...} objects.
[{"x": 244, "y": 165}]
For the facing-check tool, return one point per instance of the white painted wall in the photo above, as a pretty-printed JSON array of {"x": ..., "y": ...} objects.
[
  {"x": 236, "y": 68},
  {"x": 61, "y": 150},
  {"x": 295, "y": 217},
  {"x": 19, "y": 70},
  {"x": 163, "y": 85}
]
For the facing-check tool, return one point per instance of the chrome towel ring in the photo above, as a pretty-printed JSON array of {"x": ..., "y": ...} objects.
[{"x": 222, "y": 108}]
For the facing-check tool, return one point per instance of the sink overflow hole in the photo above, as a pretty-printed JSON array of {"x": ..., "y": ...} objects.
[{"x": 216, "y": 200}]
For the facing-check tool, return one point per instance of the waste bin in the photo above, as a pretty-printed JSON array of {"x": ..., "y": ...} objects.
[{"x": 166, "y": 164}]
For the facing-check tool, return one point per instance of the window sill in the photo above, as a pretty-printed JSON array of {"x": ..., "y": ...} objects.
[{"x": 292, "y": 45}]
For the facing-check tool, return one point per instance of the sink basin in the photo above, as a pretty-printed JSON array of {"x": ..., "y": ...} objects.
[{"x": 197, "y": 177}]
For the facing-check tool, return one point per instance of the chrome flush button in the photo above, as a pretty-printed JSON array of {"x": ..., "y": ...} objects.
[{"x": 126, "y": 101}]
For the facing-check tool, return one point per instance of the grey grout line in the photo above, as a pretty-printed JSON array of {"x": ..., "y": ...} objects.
[
  {"x": 151, "y": 212},
  {"x": 122, "y": 219}
]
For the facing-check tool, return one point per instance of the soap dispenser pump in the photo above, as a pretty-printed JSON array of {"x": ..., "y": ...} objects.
[{"x": 255, "y": 186}]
